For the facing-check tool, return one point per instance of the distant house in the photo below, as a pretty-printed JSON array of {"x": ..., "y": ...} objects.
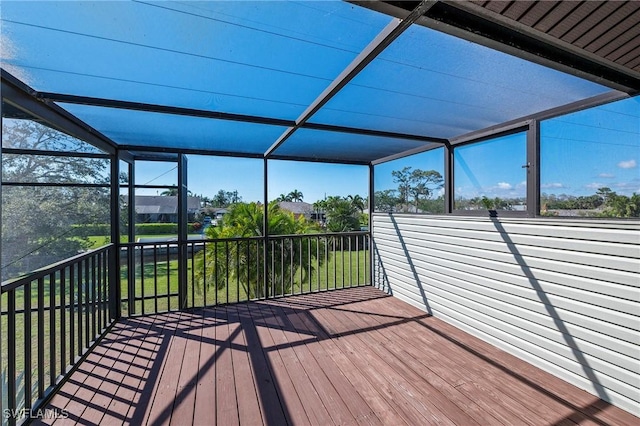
[
  {"x": 164, "y": 209},
  {"x": 302, "y": 209}
]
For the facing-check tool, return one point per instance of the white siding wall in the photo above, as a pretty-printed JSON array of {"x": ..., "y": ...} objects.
[{"x": 563, "y": 295}]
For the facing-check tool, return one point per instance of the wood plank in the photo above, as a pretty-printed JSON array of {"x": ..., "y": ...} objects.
[
  {"x": 155, "y": 382},
  {"x": 554, "y": 395},
  {"x": 75, "y": 395},
  {"x": 164, "y": 396},
  {"x": 205, "y": 401},
  {"x": 249, "y": 409},
  {"x": 184, "y": 401},
  {"x": 266, "y": 386},
  {"x": 484, "y": 375},
  {"x": 290, "y": 400},
  {"x": 371, "y": 407},
  {"x": 132, "y": 381},
  {"x": 397, "y": 391},
  {"x": 226, "y": 398},
  {"x": 330, "y": 397},
  {"x": 462, "y": 385},
  {"x": 432, "y": 400},
  {"x": 108, "y": 395},
  {"x": 65, "y": 396}
]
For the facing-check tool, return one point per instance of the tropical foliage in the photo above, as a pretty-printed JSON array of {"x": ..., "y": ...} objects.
[{"x": 240, "y": 261}]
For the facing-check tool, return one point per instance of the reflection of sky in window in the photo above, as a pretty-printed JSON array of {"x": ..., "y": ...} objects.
[
  {"x": 492, "y": 168},
  {"x": 591, "y": 149}
]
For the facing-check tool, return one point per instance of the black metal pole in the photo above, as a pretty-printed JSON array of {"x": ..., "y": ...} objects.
[
  {"x": 114, "y": 258},
  {"x": 533, "y": 169},
  {"x": 265, "y": 227},
  {"x": 182, "y": 231}
]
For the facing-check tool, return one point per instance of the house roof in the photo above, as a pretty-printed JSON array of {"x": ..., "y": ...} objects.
[
  {"x": 352, "y": 82},
  {"x": 160, "y": 204},
  {"x": 296, "y": 207}
]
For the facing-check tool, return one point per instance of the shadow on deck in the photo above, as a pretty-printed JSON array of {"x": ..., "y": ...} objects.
[{"x": 353, "y": 356}]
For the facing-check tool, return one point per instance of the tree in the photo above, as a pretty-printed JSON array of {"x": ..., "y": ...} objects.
[
  {"x": 172, "y": 192},
  {"x": 43, "y": 224},
  {"x": 225, "y": 198},
  {"x": 296, "y": 196},
  {"x": 403, "y": 179},
  {"x": 423, "y": 183},
  {"x": 342, "y": 216},
  {"x": 417, "y": 184},
  {"x": 357, "y": 201},
  {"x": 284, "y": 197},
  {"x": 386, "y": 201},
  {"x": 240, "y": 261}
]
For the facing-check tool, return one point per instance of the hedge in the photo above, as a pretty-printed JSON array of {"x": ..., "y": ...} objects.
[{"x": 141, "y": 229}]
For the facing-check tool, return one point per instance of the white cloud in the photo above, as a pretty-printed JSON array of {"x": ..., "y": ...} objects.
[
  {"x": 504, "y": 185},
  {"x": 627, "y": 164},
  {"x": 552, "y": 185},
  {"x": 606, "y": 175},
  {"x": 522, "y": 185},
  {"x": 594, "y": 185}
]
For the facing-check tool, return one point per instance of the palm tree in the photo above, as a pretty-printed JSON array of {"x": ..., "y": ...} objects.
[
  {"x": 284, "y": 197},
  {"x": 224, "y": 262},
  {"x": 172, "y": 192},
  {"x": 357, "y": 201},
  {"x": 296, "y": 195}
]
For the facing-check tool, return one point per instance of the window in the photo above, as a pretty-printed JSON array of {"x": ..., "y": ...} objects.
[
  {"x": 490, "y": 175},
  {"x": 589, "y": 162},
  {"x": 411, "y": 184}
]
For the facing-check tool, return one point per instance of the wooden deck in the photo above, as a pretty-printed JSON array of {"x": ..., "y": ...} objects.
[{"x": 353, "y": 356}]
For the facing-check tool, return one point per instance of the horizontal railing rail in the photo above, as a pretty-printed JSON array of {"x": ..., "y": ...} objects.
[{"x": 50, "y": 318}]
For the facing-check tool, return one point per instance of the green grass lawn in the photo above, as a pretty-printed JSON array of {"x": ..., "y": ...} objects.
[{"x": 343, "y": 269}]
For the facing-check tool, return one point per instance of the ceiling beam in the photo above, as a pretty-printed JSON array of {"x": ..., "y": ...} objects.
[
  {"x": 391, "y": 32},
  {"x": 191, "y": 112},
  {"x": 162, "y": 109}
]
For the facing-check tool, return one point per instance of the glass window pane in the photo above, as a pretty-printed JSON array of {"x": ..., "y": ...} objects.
[
  {"x": 489, "y": 175},
  {"x": 411, "y": 184},
  {"x": 589, "y": 162}
]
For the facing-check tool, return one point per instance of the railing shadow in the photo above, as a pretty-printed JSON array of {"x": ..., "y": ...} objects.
[
  {"x": 551, "y": 310},
  {"x": 416, "y": 276}
]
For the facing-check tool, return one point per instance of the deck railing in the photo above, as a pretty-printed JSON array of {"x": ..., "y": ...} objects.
[
  {"x": 50, "y": 318},
  {"x": 233, "y": 270}
]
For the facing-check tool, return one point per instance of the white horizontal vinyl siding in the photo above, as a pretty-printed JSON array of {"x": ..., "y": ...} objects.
[{"x": 563, "y": 295}]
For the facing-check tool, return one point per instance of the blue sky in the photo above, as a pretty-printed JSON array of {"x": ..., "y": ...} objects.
[{"x": 208, "y": 174}]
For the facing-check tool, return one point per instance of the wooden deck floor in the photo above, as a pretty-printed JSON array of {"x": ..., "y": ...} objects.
[{"x": 352, "y": 356}]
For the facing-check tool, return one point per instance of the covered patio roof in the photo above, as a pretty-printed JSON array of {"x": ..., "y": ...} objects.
[{"x": 352, "y": 82}]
